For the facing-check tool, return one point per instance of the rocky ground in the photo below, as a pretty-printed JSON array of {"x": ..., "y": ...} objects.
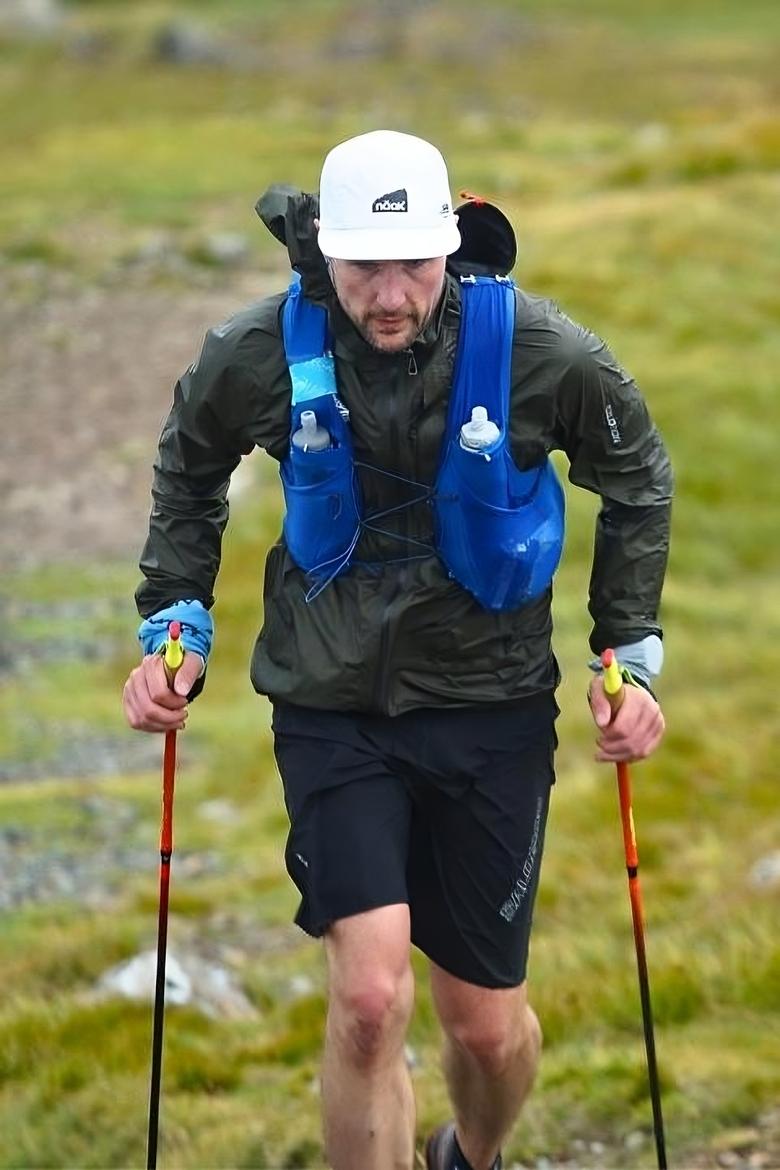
[{"x": 87, "y": 380}]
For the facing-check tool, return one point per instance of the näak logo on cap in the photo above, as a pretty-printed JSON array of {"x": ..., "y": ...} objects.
[{"x": 393, "y": 201}]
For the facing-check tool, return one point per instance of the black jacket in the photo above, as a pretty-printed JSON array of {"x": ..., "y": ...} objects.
[{"x": 390, "y": 636}]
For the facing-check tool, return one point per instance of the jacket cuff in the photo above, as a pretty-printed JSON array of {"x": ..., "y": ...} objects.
[
  {"x": 197, "y": 628},
  {"x": 640, "y": 662}
]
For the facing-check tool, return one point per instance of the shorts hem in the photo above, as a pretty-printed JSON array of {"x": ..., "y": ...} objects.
[
  {"x": 317, "y": 926},
  {"x": 470, "y": 973}
]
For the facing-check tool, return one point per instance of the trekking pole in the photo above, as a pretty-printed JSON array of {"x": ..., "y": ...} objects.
[
  {"x": 614, "y": 689},
  {"x": 172, "y": 658}
]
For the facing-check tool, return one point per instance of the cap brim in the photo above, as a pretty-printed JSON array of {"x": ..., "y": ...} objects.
[{"x": 390, "y": 244}]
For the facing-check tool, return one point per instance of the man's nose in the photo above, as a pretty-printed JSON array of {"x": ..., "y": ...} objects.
[{"x": 391, "y": 292}]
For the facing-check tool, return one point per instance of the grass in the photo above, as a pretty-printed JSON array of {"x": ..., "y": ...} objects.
[{"x": 636, "y": 153}]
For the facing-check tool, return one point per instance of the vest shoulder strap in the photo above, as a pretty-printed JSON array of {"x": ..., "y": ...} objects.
[
  {"x": 307, "y": 346},
  {"x": 484, "y": 355}
]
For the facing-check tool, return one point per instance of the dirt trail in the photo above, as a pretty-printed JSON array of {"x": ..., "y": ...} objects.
[{"x": 85, "y": 383}]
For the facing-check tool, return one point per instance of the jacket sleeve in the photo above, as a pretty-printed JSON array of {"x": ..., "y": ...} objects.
[
  {"x": 235, "y": 397},
  {"x": 615, "y": 450}
]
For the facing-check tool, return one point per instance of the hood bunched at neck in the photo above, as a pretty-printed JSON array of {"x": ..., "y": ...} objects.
[
  {"x": 488, "y": 243},
  {"x": 289, "y": 215}
]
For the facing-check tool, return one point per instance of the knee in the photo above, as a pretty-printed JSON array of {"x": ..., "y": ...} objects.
[
  {"x": 369, "y": 1013},
  {"x": 499, "y": 1042}
]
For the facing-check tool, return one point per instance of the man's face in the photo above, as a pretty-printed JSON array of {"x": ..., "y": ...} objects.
[{"x": 389, "y": 301}]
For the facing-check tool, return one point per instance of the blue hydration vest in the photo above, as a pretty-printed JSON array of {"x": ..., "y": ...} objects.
[
  {"x": 321, "y": 491},
  {"x": 498, "y": 530}
]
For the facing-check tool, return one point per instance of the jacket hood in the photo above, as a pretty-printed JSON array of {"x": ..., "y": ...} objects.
[
  {"x": 488, "y": 243},
  {"x": 289, "y": 215}
]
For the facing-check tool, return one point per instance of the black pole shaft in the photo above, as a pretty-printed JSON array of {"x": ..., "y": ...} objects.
[
  {"x": 647, "y": 1024},
  {"x": 159, "y": 1013}
]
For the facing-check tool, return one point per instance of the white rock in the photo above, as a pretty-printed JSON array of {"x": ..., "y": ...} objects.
[
  {"x": 766, "y": 871},
  {"x": 188, "y": 980},
  {"x": 136, "y": 979}
]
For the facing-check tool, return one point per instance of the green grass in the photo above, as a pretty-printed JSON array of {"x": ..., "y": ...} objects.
[
  {"x": 122, "y": 145},
  {"x": 637, "y": 156}
]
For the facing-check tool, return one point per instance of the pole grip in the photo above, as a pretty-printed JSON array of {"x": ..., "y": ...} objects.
[
  {"x": 173, "y": 654},
  {"x": 614, "y": 687}
]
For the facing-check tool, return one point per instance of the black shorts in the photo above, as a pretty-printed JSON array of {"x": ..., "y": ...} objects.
[{"x": 443, "y": 809}]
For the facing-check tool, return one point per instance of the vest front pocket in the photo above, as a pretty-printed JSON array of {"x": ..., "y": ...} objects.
[
  {"x": 323, "y": 515},
  {"x": 499, "y": 530}
]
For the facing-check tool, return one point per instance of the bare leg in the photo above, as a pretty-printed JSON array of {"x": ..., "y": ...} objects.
[
  {"x": 491, "y": 1051},
  {"x": 368, "y": 1104}
]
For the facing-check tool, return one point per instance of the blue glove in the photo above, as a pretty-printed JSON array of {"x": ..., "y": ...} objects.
[{"x": 197, "y": 628}]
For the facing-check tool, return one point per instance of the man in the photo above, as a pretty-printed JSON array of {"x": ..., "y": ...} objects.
[{"x": 413, "y": 723}]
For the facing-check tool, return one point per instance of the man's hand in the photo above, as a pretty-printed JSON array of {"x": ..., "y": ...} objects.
[
  {"x": 636, "y": 730},
  {"x": 149, "y": 703}
]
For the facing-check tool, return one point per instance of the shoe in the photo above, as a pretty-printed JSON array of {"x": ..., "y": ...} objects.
[{"x": 442, "y": 1151}]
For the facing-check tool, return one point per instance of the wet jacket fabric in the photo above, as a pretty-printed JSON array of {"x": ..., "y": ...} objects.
[{"x": 396, "y": 633}]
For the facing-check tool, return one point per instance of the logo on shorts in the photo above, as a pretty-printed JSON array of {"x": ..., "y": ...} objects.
[
  {"x": 393, "y": 201},
  {"x": 515, "y": 900}
]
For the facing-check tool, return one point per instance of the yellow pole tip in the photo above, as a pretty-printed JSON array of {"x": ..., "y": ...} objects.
[
  {"x": 613, "y": 680},
  {"x": 174, "y": 651}
]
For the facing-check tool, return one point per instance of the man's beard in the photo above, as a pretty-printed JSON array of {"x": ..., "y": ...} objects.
[{"x": 390, "y": 341}]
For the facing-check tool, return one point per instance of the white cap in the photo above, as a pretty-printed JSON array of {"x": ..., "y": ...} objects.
[{"x": 386, "y": 196}]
